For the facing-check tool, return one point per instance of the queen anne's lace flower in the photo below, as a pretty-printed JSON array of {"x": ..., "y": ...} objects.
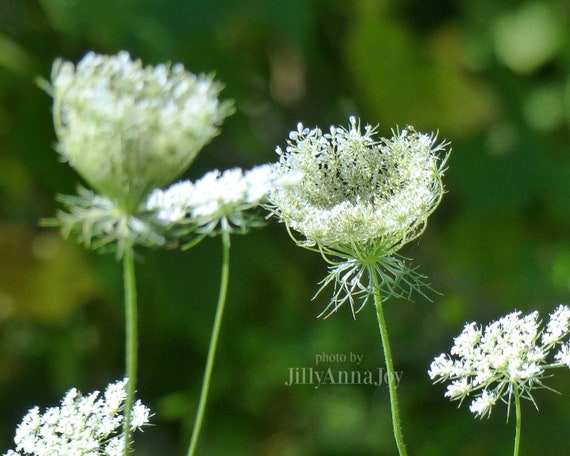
[
  {"x": 218, "y": 200},
  {"x": 357, "y": 189},
  {"x": 360, "y": 199},
  {"x": 82, "y": 425},
  {"x": 507, "y": 356},
  {"x": 128, "y": 129}
]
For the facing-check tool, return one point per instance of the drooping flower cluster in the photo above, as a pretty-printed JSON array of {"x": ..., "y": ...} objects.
[
  {"x": 128, "y": 129},
  {"x": 360, "y": 199},
  {"x": 508, "y": 356},
  {"x": 217, "y": 201},
  {"x": 82, "y": 425}
]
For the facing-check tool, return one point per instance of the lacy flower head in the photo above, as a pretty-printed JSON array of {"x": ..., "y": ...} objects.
[
  {"x": 82, "y": 425},
  {"x": 361, "y": 198},
  {"x": 217, "y": 201},
  {"x": 506, "y": 358},
  {"x": 128, "y": 129}
]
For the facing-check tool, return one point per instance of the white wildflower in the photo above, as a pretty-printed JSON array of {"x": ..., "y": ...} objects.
[
  {"x": 217, "y": 200},
  {"x": 115, "y": 447},
  {"x": 128, "y": 129},
  {"x": 140, "y": 415},
  {"x": 458, "y": 389},
  {"x": 441, "y": 367},
  {"x": 357, "y": 189},
  {"x": 467, "y": 340},
  {"x": 360, "y": 199},
  {"x": 82, "y": 425},
  {"x": 508, "y": 355}
]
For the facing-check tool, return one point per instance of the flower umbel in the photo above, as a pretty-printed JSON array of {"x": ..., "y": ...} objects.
[
  {"x": 508, "y": 357},
  {"x": 360, "y": 200},
  {"x": 128, "y": 129},
  {"x": 218, "y": 201},
  {"x": 82, "y": 425}
]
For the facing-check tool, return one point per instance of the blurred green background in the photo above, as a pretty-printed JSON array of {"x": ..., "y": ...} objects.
[{"x": 492, "y": 77}]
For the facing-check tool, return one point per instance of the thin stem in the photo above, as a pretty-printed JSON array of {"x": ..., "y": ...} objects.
[
  {"x": 518, "y": 414},
  {"x": 131, "y": 340},
  {"x": 213, "y": 343},
  {"x": 397, "y": 428}
]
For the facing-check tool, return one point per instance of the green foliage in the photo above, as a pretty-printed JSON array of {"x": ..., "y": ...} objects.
[{"x": 500, "y": 240}]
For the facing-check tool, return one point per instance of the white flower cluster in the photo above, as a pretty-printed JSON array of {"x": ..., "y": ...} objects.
[
  {"x": 357, "y": 189},
  {"x": 360, "y": 199},
  {"x": 83, "y": 425},
  {"x": 507, "y": 356},
  {"x": 217, "y": 200},
  {"x": 128, "y": 129}
]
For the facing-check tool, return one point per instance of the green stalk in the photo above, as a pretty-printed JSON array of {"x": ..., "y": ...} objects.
[
  {"x": 397, "y": 428},
  {"x": 518, "y": 414},
  {"x": 213, "y": 342},
  {"x": 131, "y": 340}
]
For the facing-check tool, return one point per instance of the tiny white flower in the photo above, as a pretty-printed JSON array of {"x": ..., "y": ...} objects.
[
  {"x": 467, "y": 340},
  {"x": 140, "y": 415},
  {"x": 458, "y": 389},
  {"x": 115, "y": 447},
  {"x": 440, "y": 367},
  {"x": 482, "y": 405},
  {"x": 115, "y": 395},
  {"x": 558, "y": 325},
  {"x": 563, "y": 355}
]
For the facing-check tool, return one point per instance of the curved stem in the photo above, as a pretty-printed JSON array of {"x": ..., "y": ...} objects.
[
  {"x": 213, "y": 343},
  {"x": 131, "y": 340},
  {"x": 397, "y": 428},
  {"x": 518, "y": 414}
]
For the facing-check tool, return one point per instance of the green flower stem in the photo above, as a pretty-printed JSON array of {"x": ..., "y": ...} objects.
[
  {"x": 213, "y": 342},
  {"x": 518, "y": 414},
  {"x": 131, "y": 340},
  {"x": 389, "y": 365}
]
